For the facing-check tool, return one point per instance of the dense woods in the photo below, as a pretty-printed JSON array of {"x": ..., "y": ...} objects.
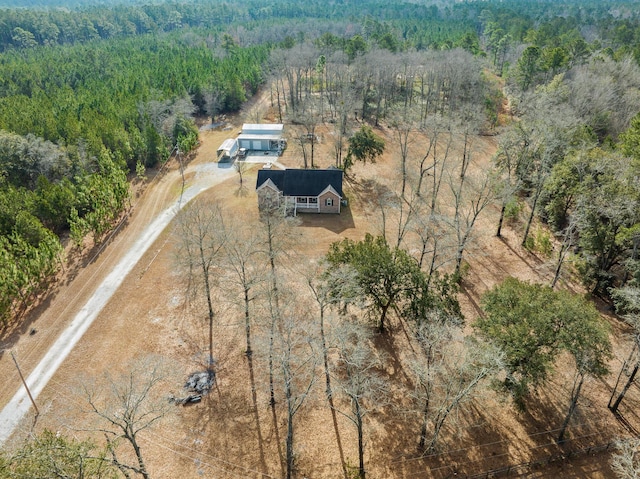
[{"x": 92, "y": 93}]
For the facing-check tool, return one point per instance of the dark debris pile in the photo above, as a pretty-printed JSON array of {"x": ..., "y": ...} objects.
[{"x": 198, "y": 384}]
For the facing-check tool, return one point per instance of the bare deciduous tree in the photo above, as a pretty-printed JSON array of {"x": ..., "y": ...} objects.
[
  {"x": 448, "y": 376},
  {"x": 241, "y": 252},
  {"x": 201, "y": 237},
  {"x": 625, "y": 462},
  {"x": 275, "y": 235},
  {"x": 296, "y": 358},
  {"x": 358, "y": 380},
  {"x": 470, "y": 198},
  {"x": 127, "y": 405}
]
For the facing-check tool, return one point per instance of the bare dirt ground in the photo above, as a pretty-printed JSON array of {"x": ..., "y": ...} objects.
[{"x": 233, "y": 432}]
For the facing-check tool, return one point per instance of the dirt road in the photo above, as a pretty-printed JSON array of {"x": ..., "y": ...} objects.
[{"x": 154, "y": 211}]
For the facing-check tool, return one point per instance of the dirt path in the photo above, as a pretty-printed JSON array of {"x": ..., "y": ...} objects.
[{"x": 84, "y": 296}]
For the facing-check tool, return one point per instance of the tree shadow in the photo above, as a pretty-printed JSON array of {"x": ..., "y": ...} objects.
[
  {"x": 276, "y": 430},
  {"x": 256, "y": 415},
  {"x": 393, "y": 367},
  {"x": 520, "y": 256},
  {"x": 242, "y": 191},
  {"x": 338, "y": 438},
  {"x": 369, "y": 190},
  {"x": 23, "y": 319}
]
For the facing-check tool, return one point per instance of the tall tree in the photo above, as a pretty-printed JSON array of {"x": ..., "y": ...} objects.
[
  {"x": 358, "y": 380},
  {"x": 448, "y": 377},
  {"x": 627, "y": 301},
  {"x": 532, "y": 324},
  {"x": 127, "y": 406},
  {"x": 295, "y": 356},
  {"x": 389, "y": 277},
  {"x": 364, "y": 146},
  {"x": 587, "y": 341},
  {"x": 201, "y": 239},
  {"x": 241, "y": 251}
]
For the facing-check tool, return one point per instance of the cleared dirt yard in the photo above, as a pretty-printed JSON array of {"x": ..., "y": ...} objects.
[{"x": 233, "y": 432}]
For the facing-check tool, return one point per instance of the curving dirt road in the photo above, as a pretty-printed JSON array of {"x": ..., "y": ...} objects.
[{"x": 81, "y": 298}]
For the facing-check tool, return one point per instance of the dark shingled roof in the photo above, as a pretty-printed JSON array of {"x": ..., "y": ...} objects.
[{"x": 293, "y": 182}]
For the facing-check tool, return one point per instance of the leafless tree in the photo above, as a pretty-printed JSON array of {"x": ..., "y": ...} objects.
[
  {"x": 322, "y": 295},
  {"x": 213, "y": 103},
  {"x": 508, "y": 161},
  {"x": 341, "y": 99},
  {"x": 448, "y": 376},
  {"x": 241, "y": 167},
  {"x": 625, "y": 462},
  {"x": 603, "y": 94},
  {"x": 358, "y": 379},
  {"x": 241, "y": 252},
  {"x": 434, "y": 161},
  {"x": 275, "y": 236},
  {"x": 470, "y": 198},
  {"x": 431, "y": 336},
  {"x": 201, "y": 237},
  {"x": 296, "y": 359},
  {"x": 127, "y": 405},
  {"x": 568, "y": 240}
]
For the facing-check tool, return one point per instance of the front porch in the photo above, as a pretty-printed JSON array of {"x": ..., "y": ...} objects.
[{"x": 306, "y": 204}]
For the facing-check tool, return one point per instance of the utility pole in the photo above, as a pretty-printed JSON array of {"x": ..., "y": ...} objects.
[{"x": 25, "y": 384}]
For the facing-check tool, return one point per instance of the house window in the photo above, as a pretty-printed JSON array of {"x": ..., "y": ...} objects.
[
  {"x": 313, "y": 201},
  {"x": 301, "y": 199},
  {"x": 328, "y": 202}
]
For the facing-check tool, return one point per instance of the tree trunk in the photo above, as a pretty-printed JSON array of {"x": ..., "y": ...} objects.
[
  {"x": 425, "y": 421},
  {"x": 142, "y": 469},
  {"x": 360, "y": 426},
  {"x": 572, "y": 407},
  {"x": 383, "y": 317},
  {"x": 502, "y": 211},
  {"x": 561, "y": 256},
  {"x": 325, "y": 356},
  {"x": 211, "y": 314},
  {"x": 247, "y": 321},
  {"x": 614, "y": 408},
  {"x": 533, "y": 212},
  {"x": 289, "y": 447},
  {"x": 274, "y": 313}
]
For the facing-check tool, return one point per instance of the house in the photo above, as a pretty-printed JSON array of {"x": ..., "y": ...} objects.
[
  {"x": 308, "y": 191},
  {"x": 262, "y": 137}
]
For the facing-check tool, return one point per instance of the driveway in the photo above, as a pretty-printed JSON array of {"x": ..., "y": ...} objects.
[{"x": 201, "y": 176}]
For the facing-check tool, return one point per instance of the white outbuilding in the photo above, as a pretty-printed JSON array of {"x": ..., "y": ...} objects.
[
  {"x": 228, "y": 150},
  {"x": 262, "y": 137}
]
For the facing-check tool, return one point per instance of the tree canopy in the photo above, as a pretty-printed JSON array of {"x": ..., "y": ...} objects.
[
  {"x": 364, "y": 146},
  {"x": 532, "y": 324},
  {"x": 391, "y": 279}
]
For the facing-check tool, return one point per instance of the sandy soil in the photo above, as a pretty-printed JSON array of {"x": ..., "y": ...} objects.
[{"x": 233, "y": 432}]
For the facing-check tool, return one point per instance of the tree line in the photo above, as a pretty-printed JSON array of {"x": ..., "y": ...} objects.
[{"x": 77, "y": 119}]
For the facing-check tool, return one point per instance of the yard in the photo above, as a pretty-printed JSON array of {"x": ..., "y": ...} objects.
[{"x": 233, "y": 432}]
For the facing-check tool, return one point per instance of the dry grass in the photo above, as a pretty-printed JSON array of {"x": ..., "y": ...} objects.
[{"x": 234, "y": 433}]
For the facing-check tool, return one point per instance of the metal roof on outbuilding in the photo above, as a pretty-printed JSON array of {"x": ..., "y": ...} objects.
[{"x": 262, "y": 129}]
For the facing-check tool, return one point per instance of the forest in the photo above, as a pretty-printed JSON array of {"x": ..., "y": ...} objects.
[{"x": 94, "y": 93}]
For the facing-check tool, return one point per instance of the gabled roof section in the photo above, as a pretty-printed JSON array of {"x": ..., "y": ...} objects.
[
  {"x": 293, "y": 182},
  {"x": 276, "y": 177}
]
